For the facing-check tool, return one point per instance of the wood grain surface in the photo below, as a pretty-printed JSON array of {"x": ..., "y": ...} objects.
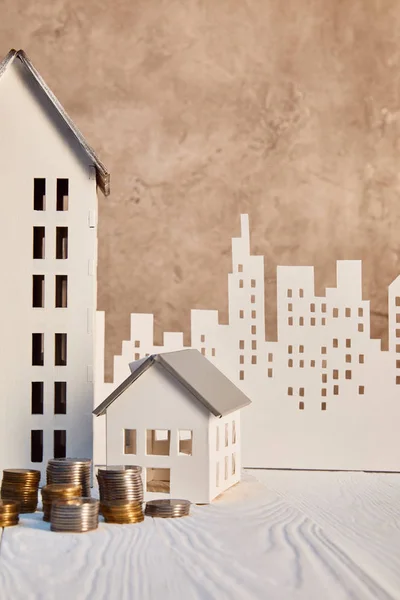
[{"x": 278, "y": 535}]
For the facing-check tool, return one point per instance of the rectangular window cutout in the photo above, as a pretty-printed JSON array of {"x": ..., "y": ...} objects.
[
  {"x": 335, "y": 313},
  {"x": 234, "y": 464},
  {"x": 301, "y": 321},
  {"x": 290, "y": 307},
  {"x": 233, "y": 432},
  {"x": 290, "y": 349},
  {"x": 253, "y": 283},
  {"x": 240, "y": 283},
  {"x": 301, "y": 391},
  {"x": 360, "y": 312},
  {"x": 348, "y": 358},
  {"x": 397, "y": 348},
  {"x": 137, "y": 342},
  {"x": 312, "y": 321},
  {"x": 254, "y": 359},
  {"x": 37, "y": 445},
  {"x": 360, "y": 327},
  {"x": 336, "y": 343},
  {"x": 38, "y": 242},
  {"x": 39, "y": 194},
  {"x": 185, "y": 438},
  {"x": 212, "y": 351},
  {"x": 241, "y": 375},
  {"x": 323, "y": 308},
  {"x": 270, "y": 357},
  {"x": 270, "y": 372},
  {"x": 290, "y": 363},
  {"x": 301, "y": 405},
  {"x": 38, "y": 291},
  {"x": 336, "y": 390},
  {"x": 253, "y": 330},
  {"x": 129, "y": 441},
  {"x": 60, "y": 354},
  {"x": 323, "y": 405},
  {"x": 241, "y": 359},
  {"x": 324, "y": 378},
  {"x": 60, "y": 397},
  {"x": 137, "y": 356},
  {"x": 226, "y": 434},
  {"x": 37, "y": 397},
  {"x": 361, "y": 390},
  {"x": 38, "y": 349},
  {"x": 241, "y": 345},
  {"x": 62, "y": 194},
  {"x": 301, "y": 293},
  {"x": 217, "y": 474},
  {"x": 240, "y": 268},
  {"x": 348, "y": 343},
  {"x": 290, "y": 321},
  {"x": 158, "y": 480},
  {"x": 61, "y": 291},
  {"x": 301, "y": 349},
  {"x": 253, "y": 314},
  {"x": 226, "y": 468},
  {"x": 348, "y": 374},
  {"x": 398, "y": 318},
  {"x": 335, "y": 374},
  {"x": 323, "y": 392},
  {"x": 301, "y": 363},
  {"x": 312, "y": 307},
  {"x": 397, "y": 300},
  {"x": 62, "y": 243},
  {"x": 60, "y": 443},
  {"x": 217, "y": 439},
  {"x": 290, "y": 391},
  {"x": 323, "y": 349},
  {"x": 348, "y": 312},
  {"x": 253, "y": 299},
  {"x": 158, "y": 442},
  {"x": 289, "y": 293},
  {"x": 254, "y": 344},
  {"x": 323, "y": 321},
  {"x": 312, "y": 363},
  {"x": 397, "y": 363},
  {"x": 203, "y": 351},
  {"x": 241, "y": 314},
  {"x": 324, "y": 364}
]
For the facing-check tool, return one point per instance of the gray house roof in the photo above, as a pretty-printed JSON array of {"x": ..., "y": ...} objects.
[
  {"x": 102, "y": 176},
  {"x": 196, "y": 373}
]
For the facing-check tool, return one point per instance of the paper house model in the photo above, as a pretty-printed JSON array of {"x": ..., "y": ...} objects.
[
  {"x": 178, "y": 417},
  {"x": 48, "y": 258}
]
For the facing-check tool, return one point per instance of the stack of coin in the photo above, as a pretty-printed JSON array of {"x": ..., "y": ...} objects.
[
  {"x": 122, "y": 511},
  {"x": 22, "y": 486},
  {"x": 120, "y": 483},
  {"x": 76, "y": 515},
  {"x": 58, "y": 491},
  {"x": 9, "y": 511},
  {"x": 167, "y": 508},
  {"x": 73, "y": 471}
]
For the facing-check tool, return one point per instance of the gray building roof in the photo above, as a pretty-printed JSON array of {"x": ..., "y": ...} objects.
[
  {"x": 102, "y": 176},
  {"x": 196, "y": 373}
]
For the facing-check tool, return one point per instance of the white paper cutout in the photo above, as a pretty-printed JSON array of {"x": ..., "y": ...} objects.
[{"x": 324, "y": 396}]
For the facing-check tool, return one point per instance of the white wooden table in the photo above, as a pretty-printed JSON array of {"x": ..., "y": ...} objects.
[{"x": 277, "y": 535}]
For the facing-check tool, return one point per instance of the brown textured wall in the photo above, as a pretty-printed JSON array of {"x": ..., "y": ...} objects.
[{"x": 204, "y": 109}]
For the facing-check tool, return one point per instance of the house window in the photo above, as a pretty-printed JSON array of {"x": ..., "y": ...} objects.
[
  {"x": 217, "y": 438},
  {"x": 348, "y": 343},
  {"x": 360, "y": 312},
  {"x": 254, "y": 344},
  {"x": 226, "y": 467},
  {"x": 348, "y": 312},
  {"x": 217, "y": 474},
  {"x": 37, "y": 397},
  {"x": 240, "y": 283},
  {"x": 253, "y": 330},
  {"x": 38, "y": 349},
  {"x": 323, "y": 405},
  {"x": 336, "y": 343},
  {"x": 39, "y": 194},
  {"x": 233, "y": 463},
  {"x": 38, "y": 291},
  {"x": 270, "y": 357},
  {"x": 252, "y": 299},
  {"x": 335, "y": 313},
  {"x": 253, "y": 283},
  {"x": 185, "y": 442},
  {"x": 254, "y": 359},
  {"x": 62, "y": 194},
  {"x": 289, "y": 293},
  {"x": 38, "y": 242},
  {"x": 158, "y": 442},
  {"x": 60, "y": 354},
  {"x": 61, "y": 291},
  {"x": 301, "y": 293},
  {"x": 270, "y": 371},
  {"x": 233, "y": 432},
  {"x": 129, "y": 441},
  {"x": 158, "y": 480},
  {"x": 60, "y": 397},
  {"x": 241, "y": 375},
  {"x": 37, "y": 445},
  {"x": 60, "y": 443},
  {"x": 226, "y": 434},
  {"x": 241, "y": 314},
  {"x": 62, "y": 242},
  {"x": 240, "y": 268},
  {"x": 301, "y": 405}
]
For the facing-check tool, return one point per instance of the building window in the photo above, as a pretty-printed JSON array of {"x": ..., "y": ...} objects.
[
  {"x": 301, "y": 293},
  {"x": 253, "y": 314},
  {"x": 253, "y": 330},
  {"x": 60, "y": 397},
  {"x": 290, "y": 391},
  {"x": 254, "y": 344},
  {"x": 301, "y": 405},
  {"x": 185, "y": 438},
  {"x": 241, "y": 359},
  {"x": 137, "y": 342},
  {"x": 312, "y": 307},
  {"x": 336, "y": 390},
  {"x": 226, "y": 468},
  {"x": 217, "y": 438},
  {"x": 158, "y": 480},
  {"x": 240, "y": 283},
  {"x": 254, "y": 359},
  {"x": 312, "y": 363},
  {"x": 301, "y": 321},
  {"x": 241, "y": 375},
  {"x": 348, "y": 312},
  {"x": 60, "y": 443},
  {"x": 234, "y": 432},
  {"x": 348, "y": 358},
  {"x": 361, "y": 390},
  {"x": 240, "y": 268},
  {"x": 323, "y": 321},
  {"x": 324, "y": 377},
  {"x": 62, "y": 243},
  {"x": 323, "y": 405},
  {"x": 37, "y": 445},
  {"x": 129, "y": 441},
  {"x": 61, "y": 291},
  {"x": 212, "y": 351},
  {"x": 241, "y": 314},
  {"x": 323, "y": 349},
  {"x": 323, "y": 392},
  {"x": 226, "y": 434},
  {"x": 253, "y": 283},
  {"x": 158, "y": 442},
  {"x": 312, "y": 321},
  {"x": 290, "y": 349},
  {"x": 289, "y": 293},
  {"x": 38, "y": 242},
  {"x": 39, "y": 194},
  {"x": 62, "y": 194},
  {"x": 335, "y": 374},
  {"x": 360, "y": 312},
  {"x": 38, "y": 291},
  {"x": 360, "y": 327},
  {"x": 348, "y": 374},
  {"x": 38, "y": 349},
  {"x": 301, "y": 364},
  {"x": 241, "y": 345},
  {"x": 270, "y": 372},
  {"x": 290, "y": 321},
  {"x": 203, "y": 351},
  {"x": 324, "y": 364},
  {"x": 301, "y": 349},
  {"x": 270, "y": 357},
  {"x": 252, "y": 299},
  {"x": 233, "y": 463},
  {"x": 335, "y": 313},
  {"x": 290, "y": 307},
  {"x": 37, "y": 397},
  {"x": 60, "y": 354},
  {"x": 323, "y": 308},
  {"x": 137, "y": 355},
  {"x": 335, "y": 343},
  {"x": 348, "y": 343},
  {"x": 301, "y": 392},
  {"x": 217, "y": 474},
  {"x": 290, "y": 363}
]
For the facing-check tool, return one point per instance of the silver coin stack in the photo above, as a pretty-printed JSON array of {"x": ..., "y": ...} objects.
[
  {"x": 120, "y": 483},
  {"x": 72, "y": 471},
  {"x": 77, "y": 515},
  {"x": 167, "y": 508}
]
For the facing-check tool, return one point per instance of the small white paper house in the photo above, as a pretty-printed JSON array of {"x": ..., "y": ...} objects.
[
  {"x": 178, "y": 417},
  {"x": 48, "y": 259}
]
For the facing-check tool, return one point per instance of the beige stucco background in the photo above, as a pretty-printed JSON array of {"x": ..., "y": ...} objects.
[{"x": 203, "y": 109}]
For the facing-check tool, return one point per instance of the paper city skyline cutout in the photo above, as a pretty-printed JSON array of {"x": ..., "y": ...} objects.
[{"x": 324, "y": 395}]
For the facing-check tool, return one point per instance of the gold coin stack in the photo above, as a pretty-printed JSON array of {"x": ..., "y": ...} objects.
[
  {"x": 58, "y": 491},
  {"x": 122, "y": 512},
  {"x": 9, "y": 511},
  {"x": 21, "y": 485}
]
